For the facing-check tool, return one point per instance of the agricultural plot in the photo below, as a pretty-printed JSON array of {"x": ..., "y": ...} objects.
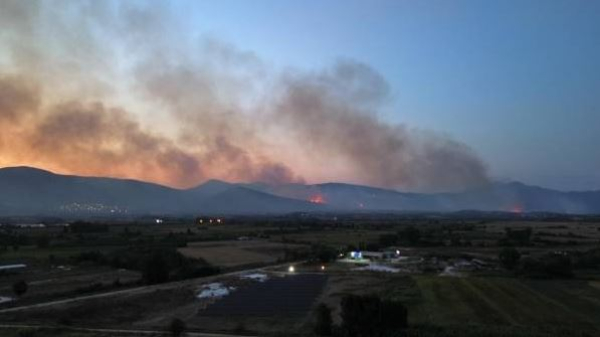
[
  {"x": 9, "y": 332},
  {"x": 238, "y": 253},
  {"x": 57, "y": 283},
  {"x": 506, "y": 301},
  {"x": 34, "y": 255},
  {"x": 292, "y": 295},
  {"x": 340, "y": 238},
  {"x": 271, "y": 305}
]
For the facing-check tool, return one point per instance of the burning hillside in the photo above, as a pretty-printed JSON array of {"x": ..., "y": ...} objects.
[{"x": 317, "y": 199}]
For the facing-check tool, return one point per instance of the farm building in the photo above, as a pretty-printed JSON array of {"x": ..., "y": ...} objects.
[{"x": 374, "y": 256}]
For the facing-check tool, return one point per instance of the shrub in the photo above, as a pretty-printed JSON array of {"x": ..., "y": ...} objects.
[
  {"x": 369, "y": 316},
  {"x": 240, "y": 329},
  {"x": 558, "y": 265},
  {"x": 20, "y": 288},
  {"x": 387, "y": 240},
  {"x": 177, "y": 327},
  {"x": 323, "y": 254},
  {"x": 324, "y": 323},
  {"x": 42, "y": 241},
  {"x": 65, "y": 320},
  {"x": 410, "y": 235},
  {"x": 509, "y": 258},
  {"x": 588, "y": 259},
  {"x": 548, "y": 266},
  {"x": 520, "y": 237},
  {"x": 155, "y": 269},
  {"x": 27, "y": 332},
  {"x": 94, "y": 257}
]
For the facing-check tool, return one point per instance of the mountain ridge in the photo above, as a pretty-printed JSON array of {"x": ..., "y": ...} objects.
[{"x": 28, "y": 190}]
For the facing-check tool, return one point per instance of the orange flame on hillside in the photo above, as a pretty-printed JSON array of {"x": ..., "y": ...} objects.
[
  {"x": 317, "y": 199},
  {"x": 517, "y": 209}
]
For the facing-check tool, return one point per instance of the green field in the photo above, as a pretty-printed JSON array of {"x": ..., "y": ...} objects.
[
  {"x": 504, "y": 302},
  {"x": 35, "y": 254},
  {"x": 58, "y": 332}
]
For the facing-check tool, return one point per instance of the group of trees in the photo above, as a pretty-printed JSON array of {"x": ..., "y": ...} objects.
[
  {"x": 550, "y": 265},
  {"x": 177, "y": 327},
  {"x": 589, "y": 259},
  {"x": 20, "y": 288},
  {"x": 509, "y": 258},
  {"x": 414, "y": 236},
  {"x": 157, "y": 264},
  {"x": 10, "y": 239},
  {"x": 410, "y": 236},
  {"x": 516, "y": 237},
  {"x": 363, "y": 316},
  {"x": 407, "y": 236},
  {"x": 323, "y": 253}
]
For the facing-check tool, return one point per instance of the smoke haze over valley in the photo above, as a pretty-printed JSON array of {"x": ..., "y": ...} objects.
[{"x": 185, "y": 110}]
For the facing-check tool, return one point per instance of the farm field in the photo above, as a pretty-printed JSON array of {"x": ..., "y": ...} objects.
[
  {"x": 340, "y": 238},
  {"x": 279, "y": 296},
  {"x": 479, "y": 305},
  {"x": 280, "y": 303},
  {"x": 51, "y": 333},
  {"x": 238, "y": 253},
  {"x": 63, "y": 283},
  {"x": 35, "y": 255},
  {"x": 483, "y": 299},
  {"x": 448, "y": 301}
]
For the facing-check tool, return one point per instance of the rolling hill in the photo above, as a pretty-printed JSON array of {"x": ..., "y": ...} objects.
[{"x": 31, "y": 191}]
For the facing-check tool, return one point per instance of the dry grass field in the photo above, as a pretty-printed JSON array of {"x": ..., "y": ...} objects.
[
  {"x": 238, "y": 253},
  {"x": 64, "y": 283}
]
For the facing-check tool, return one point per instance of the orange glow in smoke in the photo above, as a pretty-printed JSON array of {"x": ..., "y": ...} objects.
[
  {"x": 317, "y": 199},
  {"x": 517, "y": 209}
]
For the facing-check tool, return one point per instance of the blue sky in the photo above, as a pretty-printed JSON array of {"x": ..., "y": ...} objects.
[{"x": 516, "y": 80}]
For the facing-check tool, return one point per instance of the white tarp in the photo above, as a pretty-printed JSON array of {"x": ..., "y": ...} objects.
[
  {"x": 255, "y": 277},
  {"x": 4, "y": 299},
  {"x": 450, "y": 271},
  {"x": 378, "y": 267},
  {"x": 214, "y": 290}
]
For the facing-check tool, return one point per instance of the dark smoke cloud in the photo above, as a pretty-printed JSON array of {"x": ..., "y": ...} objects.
[
  {"x": 109, "y": 88},
  {"x": 335, "y": 112},
  {"x": 18, "y": 98},
  {"x": 99, "y": 139}
]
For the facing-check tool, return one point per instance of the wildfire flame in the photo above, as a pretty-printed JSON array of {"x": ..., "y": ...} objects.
[
  {"x": 517, "y": 209},
  {"x": 317, "y": 199}
]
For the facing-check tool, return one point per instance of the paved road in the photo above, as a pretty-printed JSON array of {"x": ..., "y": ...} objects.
[
  {"x": 117, "y": 331},
  {"x": 143, "y": 289}
]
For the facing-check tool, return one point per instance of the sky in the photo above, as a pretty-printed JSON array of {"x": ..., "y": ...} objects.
[{"x": 445, "y": 94}]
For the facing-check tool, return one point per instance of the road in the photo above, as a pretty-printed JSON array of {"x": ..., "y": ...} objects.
[{"x": 143, "y": 289}]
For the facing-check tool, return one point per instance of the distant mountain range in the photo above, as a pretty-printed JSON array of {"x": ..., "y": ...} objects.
[{"x": 28, "y": 191}]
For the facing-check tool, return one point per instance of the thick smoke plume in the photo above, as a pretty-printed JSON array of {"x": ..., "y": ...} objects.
[{"x": 113, "y": 89}]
